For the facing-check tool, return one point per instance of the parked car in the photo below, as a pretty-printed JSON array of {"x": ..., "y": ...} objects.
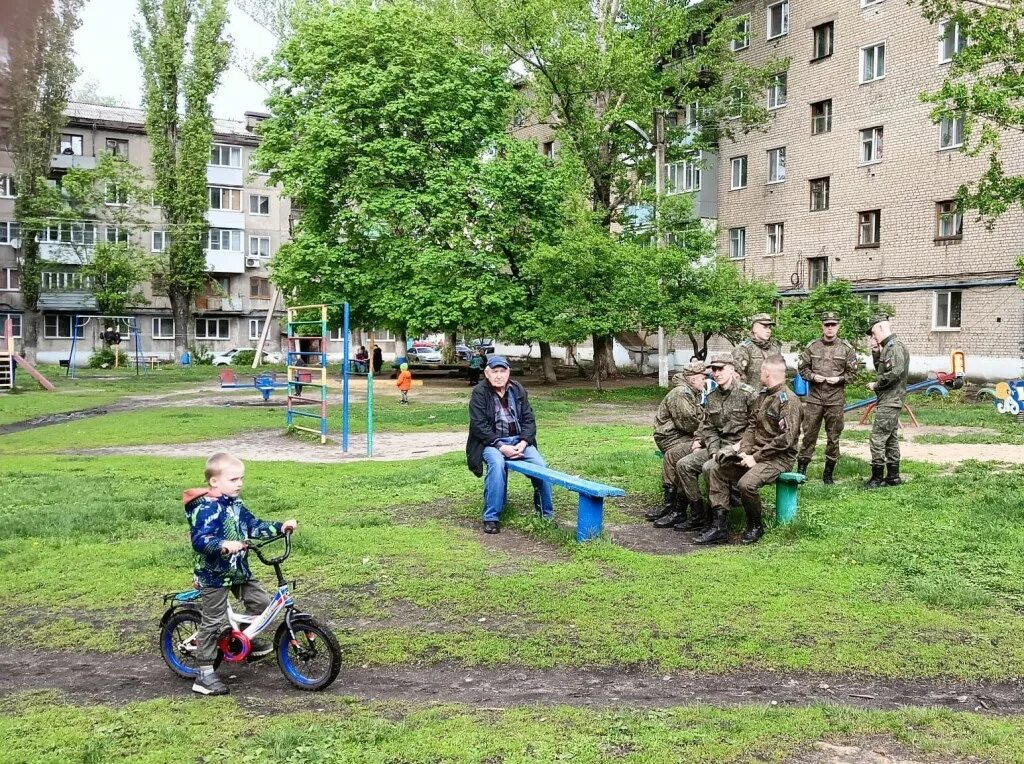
[
  {"x": 224, "y": 358},
  {"x": 463, "y": 352},
  {"x": 486, "y": 345},
  {"x": 423, "y": 355}
]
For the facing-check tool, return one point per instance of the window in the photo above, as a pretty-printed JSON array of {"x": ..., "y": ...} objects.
[
  {"x": 775, "y": 241},
  {"x": 163, "y": 328},
  {"x": 15, "y": 323},
  {"x": 254, "y": 167},
  {"x": 871, "y": 145},
  {"x": 872, "y": 62},
  {"x": 819, "y": 194},
  {"x": 7, "y": 189},
  {"x": 946, "y": 313},
  {"x": 682, "y": 177},
  {"x": 259, "y": 246},
  {"x": 225, "y": 156},
  {"x": 56, "y": 281},
  {"x": 739, "y": 173},
  {"x": 737, "y": 243},
  {"x": 817, "y": 271},
  {"x": 114, "y": 235},
  {"x": 548, "y": 149},
  {"x": 692, "y": 115},
  {"x": 737, "y": 100},
  {"x": 868, "y": 3},
  {"x": 114, "y": 196},
  {"x": 213, "y": 329},
  {"x": 821, "y": 117},
  {"x": 10, "y": 280},
  {"x": 218, "y": 286},
  {"x": 869, "y": 228},
  {"x": 951, "y": 41},
  {"x": 58, "y": 326},
  {"x": 871, "y": 300},
  {"x": 118, "y": 147},
  {"x": 71, "y": 144},
  {"x": 949, "y": 221},
  {"x": 225, "y": 239},
  {"x": 742, "y": 39},
  {"x": 256, "y": 327},
  {"x": 259, "y": 204},
  {"x": 777, "y": 91},
  {"x": 259, "y": 288},
  {"x": 69, "y": 233},
  {"x": 823, "y": 36},
  {"x": 337, "y": 335},
  {"x": 777, "y": 165},
  {"x": 8, "y": 232},
  {"x": 778, "y": 19},
  {"x": 951, "y": 132},
  {"x": 225, "y": 199},
  {"x": 161, "y": 241}
]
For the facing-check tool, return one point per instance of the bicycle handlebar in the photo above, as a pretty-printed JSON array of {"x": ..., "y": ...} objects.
[{"x": 257, "y": 544}]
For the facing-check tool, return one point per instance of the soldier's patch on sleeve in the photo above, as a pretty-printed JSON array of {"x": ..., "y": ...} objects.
[{"x": 782, "y": 396}]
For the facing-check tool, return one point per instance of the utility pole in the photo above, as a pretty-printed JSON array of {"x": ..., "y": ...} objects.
[{"x": 659, "y": 190}]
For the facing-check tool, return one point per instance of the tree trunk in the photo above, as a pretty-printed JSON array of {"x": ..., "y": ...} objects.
[
  {"x": 181, "y": 309},
  {"x": 448, "y": 354},
  {"x": 401, "y": 343},
  {"x": 30, "y": 335},
  {"x": 604, "y": 361},
  {"x": 547, "y": 364}
]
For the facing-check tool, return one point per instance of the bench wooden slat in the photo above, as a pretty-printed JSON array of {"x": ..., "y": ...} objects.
[{"x": 572, "y": 482}]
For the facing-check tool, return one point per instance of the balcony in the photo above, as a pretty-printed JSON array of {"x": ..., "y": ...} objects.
[
  {"x": 218, "y": 303},
  {"x": 217, "y": 175},
  {"x": 225, "y": 219},
  {"x": 225, "y": 261},
  {"x": 72, "y": 161},
  {"x": 64, "y": 252}
]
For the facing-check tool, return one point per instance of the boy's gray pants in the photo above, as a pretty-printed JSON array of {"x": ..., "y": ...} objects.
[{"x": 214, "y": 607}]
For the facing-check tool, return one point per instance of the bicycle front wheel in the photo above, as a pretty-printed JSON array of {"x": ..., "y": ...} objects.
[{"x": 311, "y": 661}]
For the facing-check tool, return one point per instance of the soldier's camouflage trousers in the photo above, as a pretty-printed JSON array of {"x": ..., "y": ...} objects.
[
  {"x": 885, "y": 444},
  {"x": 811, "y": 420}
]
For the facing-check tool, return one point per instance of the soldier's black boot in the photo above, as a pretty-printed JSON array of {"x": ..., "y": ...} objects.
[
  {"x": 877, "y": 476},
  {"x": 718, "y": 533},
  {"x": 801, "y": 465},
  {"x": 755, "y": 527},
  {"x": 682, "y": 504},
  {"x": 893, "y": 476},
  {"x": 668, "y": 504},
  {"x": 700, "y": 520},
  {"x": 827, "y": 477}
]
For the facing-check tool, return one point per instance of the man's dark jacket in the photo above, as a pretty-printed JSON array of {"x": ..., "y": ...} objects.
[{"x": 482, "y": 424}]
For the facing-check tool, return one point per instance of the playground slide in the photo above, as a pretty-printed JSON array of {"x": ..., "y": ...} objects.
[{"x": 43, "y": 381}]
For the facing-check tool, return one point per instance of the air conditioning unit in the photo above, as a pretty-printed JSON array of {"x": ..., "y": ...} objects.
[{"x": 252, "y": 262}]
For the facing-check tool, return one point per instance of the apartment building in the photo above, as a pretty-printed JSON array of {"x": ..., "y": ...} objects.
[
  {"x": 851, "y": 180},
  {"x": 248, "y": 218}
]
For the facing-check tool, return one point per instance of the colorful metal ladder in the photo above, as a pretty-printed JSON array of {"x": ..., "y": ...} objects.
[{"x": 298, "y": 361}]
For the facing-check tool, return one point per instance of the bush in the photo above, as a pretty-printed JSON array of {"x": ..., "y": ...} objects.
[
  {"x": 243, "y": 358},
  {"x": 102, "y": 359},
  {"x": 201, "y": 355}
]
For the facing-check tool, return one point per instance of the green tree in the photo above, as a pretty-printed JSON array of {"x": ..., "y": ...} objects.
[
  {"x": 183, "y": 52},
  {"x": 377, "y": 134},
  {"x": 594, "y": 66},
  {"x": 40, "y": 72},
  {"x": 800, "y": 319},
  {"x": 983, "y": 88}
]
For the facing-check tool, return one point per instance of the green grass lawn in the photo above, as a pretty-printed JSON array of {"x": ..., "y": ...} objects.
[{"x": 43, "y": 729}]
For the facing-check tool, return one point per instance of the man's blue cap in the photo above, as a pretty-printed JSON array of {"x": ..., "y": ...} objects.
[{"x": 497, "y": 360}]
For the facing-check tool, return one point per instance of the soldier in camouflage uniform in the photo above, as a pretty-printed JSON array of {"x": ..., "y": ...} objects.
[
  {"x": 727, "y": 412},
  {"x": 892, "y": 362},
  {"x": 750, "y": 354},
  {"x": 766, "y": 450},
  {"x": 828, "y": 364},
  {"x": 679, "y": 418}
]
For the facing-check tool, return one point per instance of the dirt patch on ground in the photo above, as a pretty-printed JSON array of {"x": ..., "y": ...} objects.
[
  {"x": 941, "y": 453},
  {"x": 880, "y": 752},
  {"x": 910, "y": 433},
  {"x": 272, "y": 446},
  {"x": 86, "y": 677}
]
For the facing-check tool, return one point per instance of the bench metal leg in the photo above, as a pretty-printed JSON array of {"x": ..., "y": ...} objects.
[
  {"x": 590, "y": 518},
  {"x": 785, "y": 502}
]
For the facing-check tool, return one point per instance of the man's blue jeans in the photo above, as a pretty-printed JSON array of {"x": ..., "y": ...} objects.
[{"x": 496, "y": 482}]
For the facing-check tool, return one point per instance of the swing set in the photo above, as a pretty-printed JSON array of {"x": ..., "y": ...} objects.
[{"x": 110, "y": 334}]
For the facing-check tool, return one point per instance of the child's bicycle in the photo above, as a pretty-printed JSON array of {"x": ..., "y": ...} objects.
[{"x": 307, "y": 651}]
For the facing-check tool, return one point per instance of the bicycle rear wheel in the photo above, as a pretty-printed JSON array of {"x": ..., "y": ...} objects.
[
  {"x": 178, "y": 644},
  {"x": 313, "y": 659}
]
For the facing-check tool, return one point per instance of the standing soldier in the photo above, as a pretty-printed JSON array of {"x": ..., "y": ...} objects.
[
  {"x": 766, "y": 450},
  {"x": 750, "y": 354},
  {"x": 892, "y": 362},
  {"x": 727, "y": 413},
  {"x": 828, "y": 364},
  {"x": 676, "y": 425}
]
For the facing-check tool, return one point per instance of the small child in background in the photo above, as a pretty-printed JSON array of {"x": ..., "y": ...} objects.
[{"x": 404, "y": 383}]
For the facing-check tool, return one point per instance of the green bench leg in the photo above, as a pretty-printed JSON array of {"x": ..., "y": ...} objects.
[{"x": 787, "y": 488}]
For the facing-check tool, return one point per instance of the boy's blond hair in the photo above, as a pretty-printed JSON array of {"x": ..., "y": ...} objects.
[{"x": 216, "y": 464}]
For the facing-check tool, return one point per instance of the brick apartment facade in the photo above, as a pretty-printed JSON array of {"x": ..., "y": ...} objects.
[{"x": 249, "y": 220}]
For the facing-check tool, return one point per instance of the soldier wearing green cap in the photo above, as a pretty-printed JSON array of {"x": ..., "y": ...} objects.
[
  {"x": 828, "y": 364},
  {"x": 750, "y": 354},
  {"x": 680, "y": 416},
  {"x": 892, "y": 363}
]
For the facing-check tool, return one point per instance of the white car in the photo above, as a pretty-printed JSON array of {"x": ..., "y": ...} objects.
[
  {"x": 423, "y": 355},
  {"x": 226, "y": 357}
]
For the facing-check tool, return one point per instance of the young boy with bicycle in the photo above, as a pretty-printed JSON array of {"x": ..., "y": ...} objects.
[{"x": 220, "y": 524}]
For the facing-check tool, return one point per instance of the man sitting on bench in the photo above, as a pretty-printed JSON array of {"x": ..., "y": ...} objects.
[{"x": 502, "y": 427}]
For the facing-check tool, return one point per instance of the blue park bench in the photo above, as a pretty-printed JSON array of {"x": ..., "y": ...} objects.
[
  {"x": 590, "y": 518},
  {"x": 266, "y": 382}
]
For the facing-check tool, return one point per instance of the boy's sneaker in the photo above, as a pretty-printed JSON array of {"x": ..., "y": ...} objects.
[
  {"x": 208, "y": 683},
  {"x": 259, "y": 648}
]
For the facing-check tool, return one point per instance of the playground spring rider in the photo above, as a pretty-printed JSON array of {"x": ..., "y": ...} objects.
[{"x": 307, "y": 651}]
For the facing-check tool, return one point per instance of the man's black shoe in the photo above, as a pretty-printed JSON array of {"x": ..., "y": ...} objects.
[
  {"x": 700, "y": 520},
  {"x": 753, "y": 535},
  {"x": 669, "y": 520},
  {"x": 657, "y": 513},
  {"x": 718, "y": 533},
  {"x": 827, "y": 477},
  {"x": 877, "y": 476},
  {"x": 893, "y": 476},
  {"x": 801, "y": 465},
  {"x": 490, "y": 526}
]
